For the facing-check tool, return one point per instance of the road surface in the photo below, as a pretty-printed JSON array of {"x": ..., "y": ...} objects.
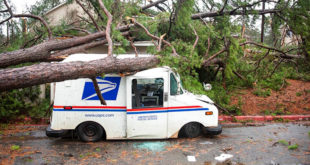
[{"x": 247, "y": 145}]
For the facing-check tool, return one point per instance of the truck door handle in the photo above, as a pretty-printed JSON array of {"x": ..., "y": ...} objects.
[{"x": 166, "y": 96}]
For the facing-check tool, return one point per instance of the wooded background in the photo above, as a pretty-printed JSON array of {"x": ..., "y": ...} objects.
[{"x": 230, "y": 44}]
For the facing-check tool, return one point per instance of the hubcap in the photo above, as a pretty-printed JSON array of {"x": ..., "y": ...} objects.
[{"x": 90, "y": 130}]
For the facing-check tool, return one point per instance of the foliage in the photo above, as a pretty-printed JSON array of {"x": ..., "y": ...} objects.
[
  {"x": 262, "y": 92},
  {"x": 263, "y": 74},
  {"x": 41, "y": 7},
  {"x": 15, "y": 147},
  {"x": 293, "y": 147},
  {"x": 284, "y": 142},
  {"x": 19, "y": 103}
]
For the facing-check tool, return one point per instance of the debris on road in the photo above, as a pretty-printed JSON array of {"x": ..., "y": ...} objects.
[
  {"x": 226, "y": 149},
  {"x": 223, "y": 157},
  {"x": 155, "y": 146},
  {"x": 206, "y": 142},
  {"x": 191, "y": 158}
]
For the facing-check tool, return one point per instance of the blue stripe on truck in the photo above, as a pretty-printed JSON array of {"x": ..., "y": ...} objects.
[
  {"x": 131, "y": 113},
  {"x": 170, "y": 110},
  {"x": 93, "y": 110}
]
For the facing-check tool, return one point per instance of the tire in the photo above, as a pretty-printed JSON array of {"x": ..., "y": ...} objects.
[
  {"x": 90, "y": 132},
  {"x": 191, "y": 130}
]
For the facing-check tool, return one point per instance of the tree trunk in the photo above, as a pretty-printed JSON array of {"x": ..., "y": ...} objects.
[
  {"x": 263, "y": 24},
  {"x": 237, "y": 12},
  {"x": 53, "y": 72}
]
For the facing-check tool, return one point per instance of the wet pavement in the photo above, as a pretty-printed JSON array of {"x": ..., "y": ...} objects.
[{"x": 268, "y": 144}]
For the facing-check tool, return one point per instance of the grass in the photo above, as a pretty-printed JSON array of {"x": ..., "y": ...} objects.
[
  {"x": 290, "y": 147},
  {"x": 3, "y": 126},
  {"x": 298, "y": 93},
  {"x": 87, "y": 154},
  {"x": 262, "y": 92},
  {"x": 293, "y": 147},
  {"x": 98, "y": 149},
  {"x": 28, "y": 159},
  {"x": 284, "y": 142},
  {"x": 267, "y": 112},
  {"x": 15, "y": 147}
]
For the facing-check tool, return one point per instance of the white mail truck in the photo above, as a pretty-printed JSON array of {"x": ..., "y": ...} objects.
[{"x": 149, "y": 104}]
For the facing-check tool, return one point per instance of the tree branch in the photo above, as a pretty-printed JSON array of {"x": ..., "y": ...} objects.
[
  {"x": 282, "y": 53},
  {"x": 237, "y": 12},
  {"x": 155, "y": 37},
  {"x": 133, "y": 46},
  {"x": 97, "y": 89},
  {"x": 26, "y": 15},
  {"x": 160, "y": 42},
  {"x": 225, "y": 3},
  {"x": 152, "y": 4},
  {"x": 197, "y": 37},
  {"x": 108, "y": 28},
  {"x": 42, "y": 51},
  {"x": 215, "y": 55},
  {"x": 89, "y": 15}
]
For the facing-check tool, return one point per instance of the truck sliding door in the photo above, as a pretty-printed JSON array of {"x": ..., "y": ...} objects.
[{"x": 147, "y": 108}]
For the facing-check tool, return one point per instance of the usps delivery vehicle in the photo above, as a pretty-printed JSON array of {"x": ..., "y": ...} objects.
[{"x": 149, "y": 104}]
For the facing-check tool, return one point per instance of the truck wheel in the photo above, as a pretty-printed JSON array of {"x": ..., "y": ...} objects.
[
  {"x": 191, "y": 130},
  {"x": 90, "y": 131}
]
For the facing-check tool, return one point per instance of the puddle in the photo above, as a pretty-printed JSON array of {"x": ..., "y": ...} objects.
[{"x": 151, "y": 146}]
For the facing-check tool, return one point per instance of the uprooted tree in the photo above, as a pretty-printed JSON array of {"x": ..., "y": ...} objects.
[{"x": 204, "y": 40}]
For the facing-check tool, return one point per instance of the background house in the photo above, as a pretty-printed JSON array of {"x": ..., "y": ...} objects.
[{"x": 73, "y": 14}]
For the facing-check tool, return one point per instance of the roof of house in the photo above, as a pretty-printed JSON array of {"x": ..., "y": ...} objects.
[{"x": 55, "y": 8}]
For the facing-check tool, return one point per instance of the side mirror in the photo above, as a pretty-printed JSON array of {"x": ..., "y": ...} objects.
[
  {"x": 179, "y": 84},
  {"x": 207, "y": 87},
  {"x": 179, "y": 87}
]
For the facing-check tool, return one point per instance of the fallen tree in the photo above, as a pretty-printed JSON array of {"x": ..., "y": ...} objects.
[
  {"x": 56, "y": 50},
  {"x": 53, "y": 72}
]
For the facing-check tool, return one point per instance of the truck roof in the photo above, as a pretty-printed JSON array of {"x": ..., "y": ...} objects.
[{"x": 90, "y": 57}]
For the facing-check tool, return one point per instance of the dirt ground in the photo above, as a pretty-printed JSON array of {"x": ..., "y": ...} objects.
[{"x": 292, "y": 99}]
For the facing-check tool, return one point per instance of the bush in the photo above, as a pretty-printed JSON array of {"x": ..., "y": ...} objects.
[{"x": 19, "y": 103}]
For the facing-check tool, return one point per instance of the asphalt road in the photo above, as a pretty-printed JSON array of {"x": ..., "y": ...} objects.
[{"x": 248, "y": 145}]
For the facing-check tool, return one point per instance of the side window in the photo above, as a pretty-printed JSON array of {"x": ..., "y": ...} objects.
[
  {"x": 173, "y": 85},
  {"x": 147, "y": 93}
]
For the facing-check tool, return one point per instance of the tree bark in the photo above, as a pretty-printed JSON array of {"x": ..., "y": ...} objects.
[
  {"x": 263, "y": 23},
  {"x": 54, "y": 72},
  {"x": 152, "y": 4},
  {"x": 237, "y": 12},
  {"x": 42, "y": 51},
  {"x": 108, "y": 28},
  {"x": 97, "y": 89}
]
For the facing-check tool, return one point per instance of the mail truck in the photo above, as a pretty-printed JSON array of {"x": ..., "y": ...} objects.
[{"x": 149, "y": 104}]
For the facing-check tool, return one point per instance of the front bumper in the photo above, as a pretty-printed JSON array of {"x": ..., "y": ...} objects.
[
  {"x": 55, "y": 133},
  {"x": 213, "y": 130}
]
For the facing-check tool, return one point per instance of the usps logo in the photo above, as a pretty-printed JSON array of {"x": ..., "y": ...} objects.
[{"x": 108, "y": 87}]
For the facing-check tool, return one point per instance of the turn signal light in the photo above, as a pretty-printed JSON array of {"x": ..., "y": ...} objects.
[{"x": 209, "y": 113}]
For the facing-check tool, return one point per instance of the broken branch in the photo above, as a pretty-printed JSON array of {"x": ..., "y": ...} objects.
[
  {"x": 108, "y": 28},
  {"x": 97, "y": 89},
  {"x": 155, "y": 37}
]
